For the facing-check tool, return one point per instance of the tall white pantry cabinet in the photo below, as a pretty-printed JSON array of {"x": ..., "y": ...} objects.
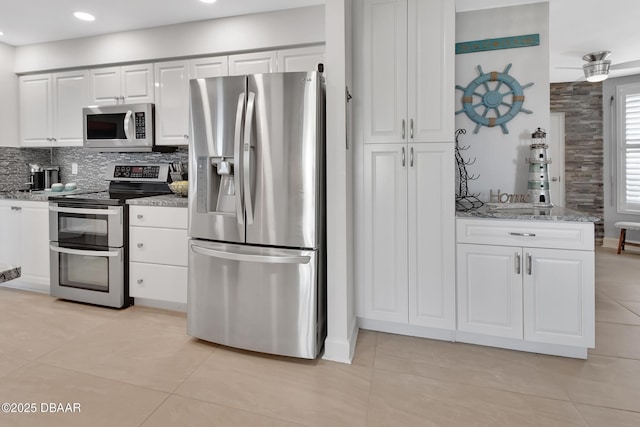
[{"x": 404, "y": 128}]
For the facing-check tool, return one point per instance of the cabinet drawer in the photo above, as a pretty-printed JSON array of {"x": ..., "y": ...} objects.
[
  {"x": 158, "y": 245},
  {"x": 536, "y": 234},
  {"x": 158, "y": 282},
  {"x": 158, "y": 216}
]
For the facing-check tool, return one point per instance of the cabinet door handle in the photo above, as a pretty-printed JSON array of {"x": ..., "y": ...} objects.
[
  {"x": 403, "y": 158},
  {"x": 411, "y": 157},
  {"x": 411, "y": 128},
  {"x": 403, "y": 128},
  {"x": 524, "y": 234},
  {"x": 140, "y": 281},
  {"x": 140, "y": 216},
  {"x": 140, "y": 245},
  {"x": 518, "y": 263},
  {"x": 529, "y": 264}
]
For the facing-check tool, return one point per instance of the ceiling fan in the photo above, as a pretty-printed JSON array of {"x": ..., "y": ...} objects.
[{"x": 597, "y": 67}]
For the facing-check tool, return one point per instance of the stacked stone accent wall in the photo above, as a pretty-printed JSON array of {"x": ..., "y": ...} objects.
[{"x": 584, "y": 158}]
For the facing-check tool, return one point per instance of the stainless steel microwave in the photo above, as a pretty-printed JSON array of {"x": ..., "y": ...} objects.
[{"x": 123, "y": 127}]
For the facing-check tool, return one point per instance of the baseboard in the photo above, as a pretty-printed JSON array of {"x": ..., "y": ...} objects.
[
  {"x": 406, "y": 329},
  {"x": 42, "y": 288},
  {"x": 341, "y": 350},
  {"x": 164, "y": 305}
]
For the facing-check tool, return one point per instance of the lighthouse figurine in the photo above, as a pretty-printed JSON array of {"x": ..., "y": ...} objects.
[{"x": 538, "y": 185}]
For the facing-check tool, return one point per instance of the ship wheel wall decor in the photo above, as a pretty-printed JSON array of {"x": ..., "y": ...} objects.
[{"x": 486, "y": 102}]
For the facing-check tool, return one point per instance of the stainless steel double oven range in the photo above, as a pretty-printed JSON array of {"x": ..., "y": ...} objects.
[{"x": 89, "y": 236}]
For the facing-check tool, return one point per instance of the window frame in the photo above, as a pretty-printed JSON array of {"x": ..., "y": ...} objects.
[{"x": 624, "y": 206}]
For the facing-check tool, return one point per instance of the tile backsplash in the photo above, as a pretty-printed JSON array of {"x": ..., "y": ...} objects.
[
  {"x": 14, "y": 169},
  {"x": 14, "y": 165},
  {"x": 92, "y": 165}
]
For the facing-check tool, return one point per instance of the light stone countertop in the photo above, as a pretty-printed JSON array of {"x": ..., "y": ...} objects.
[
  {"x": 41, "y": 195},
  {"x": 556, "y": 213},
  {"x": 9, "y": 272},
  {"x": 167, "y": 200}
]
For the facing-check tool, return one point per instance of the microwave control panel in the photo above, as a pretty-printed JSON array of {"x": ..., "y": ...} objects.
[
  {"x": 140, "y": 125},
  {"x": 138, "y": 172}
]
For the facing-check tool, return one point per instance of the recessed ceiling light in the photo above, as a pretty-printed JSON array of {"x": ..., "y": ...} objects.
[
  {"x": 1, "y": 33},
  {"x": 208, "y": 1},
  {"x": 84, "y": 16}
]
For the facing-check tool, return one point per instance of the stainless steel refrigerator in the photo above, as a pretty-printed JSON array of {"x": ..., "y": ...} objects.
[{"x": 257, "y": 213}]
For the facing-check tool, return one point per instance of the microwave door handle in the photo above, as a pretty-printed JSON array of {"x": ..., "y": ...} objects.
[
  {"x": 84, "y": 211},
  {"x": 237, "y": 140},
  {"x": 83, "y": 253},
  {"x": 127, "y": 124},
  {"x": 246, "y": 157}
]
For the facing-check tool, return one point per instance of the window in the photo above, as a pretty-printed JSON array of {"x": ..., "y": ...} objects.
[{"x": 629, "y": 148}]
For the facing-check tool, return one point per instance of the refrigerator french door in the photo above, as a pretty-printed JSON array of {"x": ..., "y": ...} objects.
[{"x": 256, "y": 213}]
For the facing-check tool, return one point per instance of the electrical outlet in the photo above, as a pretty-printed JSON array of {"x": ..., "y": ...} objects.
[{"x": 74, "y": 169}]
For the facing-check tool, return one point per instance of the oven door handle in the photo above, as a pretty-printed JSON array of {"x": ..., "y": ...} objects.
[
  {"x": 85, "y": 253},
  {"x": 84, "y": 211}
]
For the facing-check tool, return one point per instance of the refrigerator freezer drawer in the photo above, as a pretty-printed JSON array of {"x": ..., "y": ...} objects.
[{"x": 259, "y": 299}]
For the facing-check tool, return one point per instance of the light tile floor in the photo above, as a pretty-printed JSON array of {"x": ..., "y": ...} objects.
[{"x": 137, "y": 367}]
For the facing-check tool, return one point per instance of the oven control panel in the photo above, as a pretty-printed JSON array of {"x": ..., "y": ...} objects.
[{"x": 157, "y": 172}]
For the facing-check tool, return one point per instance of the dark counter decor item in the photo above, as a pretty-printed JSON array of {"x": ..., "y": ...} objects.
[{"x": 464, "y": 200}]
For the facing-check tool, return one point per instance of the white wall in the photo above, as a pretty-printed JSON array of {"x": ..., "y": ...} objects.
[
  {"x": 500, "y": 158},
  {"x": 9, "y": 95},
  {"x": 240, "y": 33},
  {"x": 342, "y": 329}
]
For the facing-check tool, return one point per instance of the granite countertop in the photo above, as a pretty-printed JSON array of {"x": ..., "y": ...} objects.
[
  {"x": 168, "y": 200},
  {"x": 42, "y": 195},
  {"x": 556, "y": 213},
  {"x": 9, "y": 272}
]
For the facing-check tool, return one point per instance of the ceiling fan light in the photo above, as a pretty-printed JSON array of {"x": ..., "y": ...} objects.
[{"x": 596, "y": 71}]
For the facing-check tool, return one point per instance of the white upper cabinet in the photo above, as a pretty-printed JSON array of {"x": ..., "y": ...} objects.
[
  {"x": 130, "y": 84},
  {"x": 70, "y": 95},
  {"x": 302, "y": 59},
  {"x": 385, "y": 71},
  {"x": 253, "y": 63},
  {"x": 36, "y": 105},
  {"x": 51, "y": 109},
  {"x": 202, "y": 68},
  {"x": 408, "y": 51},
  {"x": 172, "y": 102}
]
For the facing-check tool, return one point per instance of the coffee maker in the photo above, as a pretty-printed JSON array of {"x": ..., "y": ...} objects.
[{"x": 36, "y": 177}]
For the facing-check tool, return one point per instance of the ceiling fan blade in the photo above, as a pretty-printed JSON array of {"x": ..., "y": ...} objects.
[{"x": 623, "y": 65}]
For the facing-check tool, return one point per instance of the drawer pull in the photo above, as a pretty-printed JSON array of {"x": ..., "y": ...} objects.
[
  {"x": 524, "y": 234},
  {"x": 140, "y": 245},
  {"x": 140, "y": 216}
]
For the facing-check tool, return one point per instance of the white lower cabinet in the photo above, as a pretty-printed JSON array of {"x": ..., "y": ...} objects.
[
  {"x": 158, "y": 253},
  {"x": 408, "y": 234},
  {"x": 521, "y": 289},
  {"x": 24, "y": 227}
]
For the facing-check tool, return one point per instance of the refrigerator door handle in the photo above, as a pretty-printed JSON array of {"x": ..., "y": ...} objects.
[
  {"x": 266, "y": 259},
  {"x": 246, "y": 157},
  {"x": 236, "y": 158}
]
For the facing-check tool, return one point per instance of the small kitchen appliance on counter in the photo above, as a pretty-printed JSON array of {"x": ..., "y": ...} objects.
[
  {"x": 36, "y": 177},
  {"x": 89, "y": 235},
  {"x": 51, "y": 176}
]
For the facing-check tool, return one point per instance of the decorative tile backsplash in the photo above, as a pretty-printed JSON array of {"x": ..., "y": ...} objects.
[
  {"x": 14, "y": 169},
  {"x": 92, "y": 165},
  {"x": 14, "y": 165}
]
